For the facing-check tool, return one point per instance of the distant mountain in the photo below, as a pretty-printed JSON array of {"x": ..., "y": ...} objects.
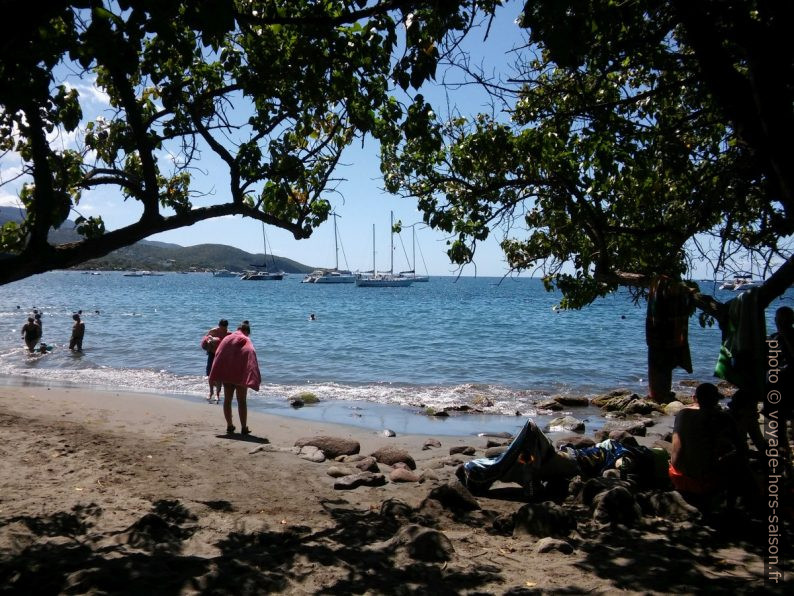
[{"x": 162, "y": 256}]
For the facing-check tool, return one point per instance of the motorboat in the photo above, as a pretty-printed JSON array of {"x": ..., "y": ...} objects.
[
  {"x": 262, "y": 276},
  {"x": 142, "y": 274},
  {"x": 335, "y": 276},
  {"x": 377, "y": 279},
  {"x": 740, "y": 283}
]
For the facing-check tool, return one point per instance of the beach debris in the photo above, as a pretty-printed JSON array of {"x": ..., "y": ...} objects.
[
  {"x": 426, "y": 544},
  {"x": 391, "y": 455},
  {"x": 331, "y": 446},
  {"x": 361, "y": 479},
  {"x": 430, "y": 443},
  {"x": 387, "y": 432},
  {"x": 549, "y": 544},
  {"x": 403, "y": 475},
  {"x": 565, "y": 424},
  {"x": 462, "y": 449},
  {"x": 543, "y": 519},
  {"x": 296, "y": 403}
]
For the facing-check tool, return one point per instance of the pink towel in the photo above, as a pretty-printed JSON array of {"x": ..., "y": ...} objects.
[{"x": 235, "y": 362}]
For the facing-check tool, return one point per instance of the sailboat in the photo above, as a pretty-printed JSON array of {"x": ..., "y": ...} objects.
[
  {"x": 263, "y": 275},
  {"x": 383, "y": 280},
  {"x": 335, "y": 275},
  {"x": 412, "y": 273}
]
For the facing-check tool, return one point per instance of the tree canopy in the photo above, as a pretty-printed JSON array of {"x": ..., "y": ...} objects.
[
  {"x": 631, "y": 133},
  {"x": 273, "y": 89}
]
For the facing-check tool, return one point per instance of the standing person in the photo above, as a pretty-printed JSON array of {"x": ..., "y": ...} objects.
[
  {"x": 78, "y": 331},
  {"x": 235, "y": 366},
  {"x": 30, "y": 333},
  {"x": 210, "y": 343},
  {"x": 39, "y": 325}
]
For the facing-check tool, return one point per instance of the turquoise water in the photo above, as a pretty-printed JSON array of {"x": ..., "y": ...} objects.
[{"x": 447, "y": 342}]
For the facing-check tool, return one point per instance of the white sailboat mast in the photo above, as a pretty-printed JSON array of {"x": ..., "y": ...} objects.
[
  {"x": 336, "y": 243},
  {"x": 391, "y": 239}
]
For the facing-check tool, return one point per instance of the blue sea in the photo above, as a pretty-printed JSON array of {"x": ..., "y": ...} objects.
[{"x": 449, "y": 342}]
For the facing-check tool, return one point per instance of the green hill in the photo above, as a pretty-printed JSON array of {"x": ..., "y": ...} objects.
[{"x": 162, "y": 256}]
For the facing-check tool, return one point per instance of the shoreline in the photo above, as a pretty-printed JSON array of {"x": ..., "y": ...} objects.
[{"x": 363, "y": 416}]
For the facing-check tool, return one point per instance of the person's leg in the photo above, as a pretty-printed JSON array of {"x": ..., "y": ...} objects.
[
  {"x": 242, "y": 408},
  {"x": 208, "y": 368},
  {"x": 228, "y": 395}
]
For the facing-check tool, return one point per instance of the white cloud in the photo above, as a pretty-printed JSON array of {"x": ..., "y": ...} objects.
[
  {"x": 90, "y": 92},
  {"x": 9, "y": 200}
]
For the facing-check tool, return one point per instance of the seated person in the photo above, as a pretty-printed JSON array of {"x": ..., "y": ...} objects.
[{"x": 709, "y": 454}]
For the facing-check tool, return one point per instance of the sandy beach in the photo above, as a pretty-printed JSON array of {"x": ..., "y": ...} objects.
[{"x": 107, "y": 493}]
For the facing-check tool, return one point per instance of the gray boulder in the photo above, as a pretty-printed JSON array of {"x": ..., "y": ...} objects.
[
  {"x": 360, "y": 479},
  {"x": 543, "y": 519},
  {"x": 548, "y": 544},
  {"x": 454, "y": 496},
  {"x": 403, "y": 475},
  {"x": 392, "y": 455},
  {"x": 616, "y": 506},
  {"x": 426, "y": 544},
  {"x": 565, "y": 423},
  {"x": 331, "y": 446}
]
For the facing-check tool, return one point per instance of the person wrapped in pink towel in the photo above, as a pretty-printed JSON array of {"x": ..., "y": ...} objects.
[{"x": 236, "y": 367}]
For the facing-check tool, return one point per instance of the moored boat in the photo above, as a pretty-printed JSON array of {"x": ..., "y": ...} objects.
[{"x": 377, "y": 279}]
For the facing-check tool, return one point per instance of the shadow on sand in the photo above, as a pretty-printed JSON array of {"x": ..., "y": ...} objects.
[{"x": 71, "y": 555}]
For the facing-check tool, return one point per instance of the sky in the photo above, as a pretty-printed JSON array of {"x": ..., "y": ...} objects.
[{"x": 359, "y": 199}]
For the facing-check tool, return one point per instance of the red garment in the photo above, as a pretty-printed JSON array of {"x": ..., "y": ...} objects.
[
  {"x": 235, "y": 362},
  {"x": 682, "y": 482}
]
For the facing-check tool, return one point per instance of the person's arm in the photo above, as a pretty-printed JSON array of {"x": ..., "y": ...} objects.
[{"x": 675, "y": 455}]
